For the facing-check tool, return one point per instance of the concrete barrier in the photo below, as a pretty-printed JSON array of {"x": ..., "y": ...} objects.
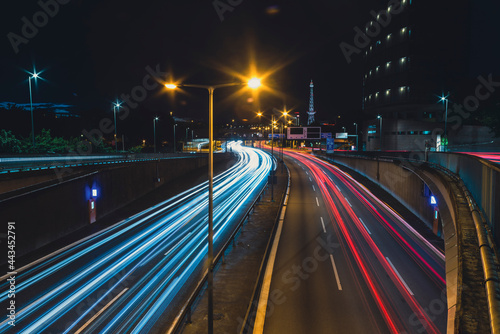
[
  {"x": 482, "y": 178},
  {"x": 49, "y": 213}
]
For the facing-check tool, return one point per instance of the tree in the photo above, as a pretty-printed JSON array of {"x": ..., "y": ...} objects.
[{"x": 9, "y": 143}]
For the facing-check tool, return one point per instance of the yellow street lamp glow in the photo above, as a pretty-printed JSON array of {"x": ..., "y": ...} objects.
[
  {"x": 171, "y": 86},
  {"x": 254, "y": 83},
  {"x": 259, "y": 114},
  {"x": 285, "y": 113}
]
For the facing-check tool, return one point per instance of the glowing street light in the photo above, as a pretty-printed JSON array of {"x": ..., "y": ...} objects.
[
  {"x": 154, "y": 131},
  {"x": 115, "y": 106},
  {"x": 32, "y": 76},
  {"x": 445, "y": 100},
  {"x": 380, "y": 136},
  {"x": 252, "y": 83}
]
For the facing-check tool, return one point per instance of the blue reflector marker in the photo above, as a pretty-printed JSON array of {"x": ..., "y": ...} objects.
[{"x": 433, "y": 200}]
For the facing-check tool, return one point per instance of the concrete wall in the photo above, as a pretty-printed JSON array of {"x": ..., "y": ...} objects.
[
  {"x": 481, "y": 177},
  {"x": 404, "y": 185},
  {"x": 47, "y": 214}
]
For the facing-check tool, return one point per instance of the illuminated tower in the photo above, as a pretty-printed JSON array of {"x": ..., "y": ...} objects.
[{"x": 311, "y": 111}]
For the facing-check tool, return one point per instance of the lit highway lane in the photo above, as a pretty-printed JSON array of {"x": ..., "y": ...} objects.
[
  {"x": 366, "y": 271},
  {"x": 123, "y": 280}
]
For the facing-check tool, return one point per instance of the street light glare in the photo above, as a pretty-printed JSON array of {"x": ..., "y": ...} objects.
[
  {"x": 254, "y": 83},
  {"x": 35, "y": 75},
  {"x": 171, "y": 86}
]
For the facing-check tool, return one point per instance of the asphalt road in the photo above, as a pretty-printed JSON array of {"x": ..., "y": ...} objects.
[
  {"x": 346, "y": 263},
  {"x": 126, "y": 279}
]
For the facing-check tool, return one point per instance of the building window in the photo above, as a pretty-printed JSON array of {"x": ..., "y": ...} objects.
[
  {"x": 425, "y": 132},
  {"x": 401, "y": 133}
]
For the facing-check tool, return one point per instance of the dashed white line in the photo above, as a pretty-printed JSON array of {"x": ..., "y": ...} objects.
[
  {"x": 336, "y": 272},
  {"x": 367, "y": 230},
  {"x": 310, "y": 179},
  {"x": 317, "y": 201},
  {"x": 348, "y": 202},
  {"x": 307, "y": 172},
  {"x": 323, "y": 224},
  {"x": 314, "y": 189},
  {"x": 401, "y": 278}
]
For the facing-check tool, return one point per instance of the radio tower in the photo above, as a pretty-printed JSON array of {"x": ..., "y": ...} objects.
[{"x": 311, "y": 111}]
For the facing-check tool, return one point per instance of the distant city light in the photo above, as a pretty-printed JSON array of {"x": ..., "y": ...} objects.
[{"x": 94, "y": 192}]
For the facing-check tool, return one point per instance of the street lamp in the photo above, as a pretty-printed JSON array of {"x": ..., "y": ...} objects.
[
  {"x": 252, "y": 83},
  {"x": 445, "y": 100},
  {"x": 116, "y": 105},
  {"x": 154, "y": 131},
  {"x": 380, "y": 136},
  {"x": 356, "y": 124},
  {"x": 32, "y": 76},
  {"x": 175, "y": 125}
]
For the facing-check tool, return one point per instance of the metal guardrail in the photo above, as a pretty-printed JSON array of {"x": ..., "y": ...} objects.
[
  {"x": 187, "y": 308},
  {"x": 19, "y": 164}
]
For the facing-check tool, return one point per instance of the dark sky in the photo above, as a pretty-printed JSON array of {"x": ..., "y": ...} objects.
[{"x": 94, "y": 51}]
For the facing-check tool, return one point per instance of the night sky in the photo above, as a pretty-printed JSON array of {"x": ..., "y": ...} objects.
[{"x": 94, "y": 51}]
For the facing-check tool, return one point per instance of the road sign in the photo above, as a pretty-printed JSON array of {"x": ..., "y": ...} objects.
[
  {"x": 277, "y": 136},
  {"x": 330, "y": 145},
  {"x": 304, "y": 132},
  {"x": 341, "y": 135},
  {"x": 326, "y": 135}
]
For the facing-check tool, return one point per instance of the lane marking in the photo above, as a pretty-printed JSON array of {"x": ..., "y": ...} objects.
[
  {"x": 314, "y": 189},
  {"x": 323, "y": 223},
  {"x": 310, "y": 179},
  {"x": 317, "y": 202},
  {"x": 336, "y": 272},
  {"x": 367, "y": 230},
  {"x": 401, "y": 278},
  {"x": 348, "y": 202},
  {"x": 260, "y": 318},
  {"x": 307, "y": 172},
  {"x": 101, "y": 311}
]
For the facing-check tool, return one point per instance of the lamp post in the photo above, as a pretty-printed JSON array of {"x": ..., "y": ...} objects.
[
  {"x": 116, "y": 105},
  {"x": 175, "y": 125},
  {"x": 445, "y": 100},
  {"x": 253, "y": 83},
  {"x": 380, "y": 136},
  {"x": 356, "y": 124},
  {"x": 33, "y": 76},
  {"x": 154, "y": 131}
]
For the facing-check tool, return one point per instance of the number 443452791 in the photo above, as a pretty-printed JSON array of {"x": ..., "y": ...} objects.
[{"x": 11, "y": 245}]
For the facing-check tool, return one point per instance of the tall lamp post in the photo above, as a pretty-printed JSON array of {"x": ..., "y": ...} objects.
[
  {"x": 445, "y": 100},
  {"x": 356, "y": 124},
  {"x": 175, "y": 125},
  {"x": 33, "y": 76},
  {"x": 252, "y": 83},
  {"x": 380, "y": 136},
  {"x": 154, "y": 131},
  {"x": 115, "y": 106}
]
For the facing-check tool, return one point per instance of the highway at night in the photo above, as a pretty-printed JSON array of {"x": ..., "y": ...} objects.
[
  {"x": 122, "y": 279},
  {"x": 347, "y": 263}
]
